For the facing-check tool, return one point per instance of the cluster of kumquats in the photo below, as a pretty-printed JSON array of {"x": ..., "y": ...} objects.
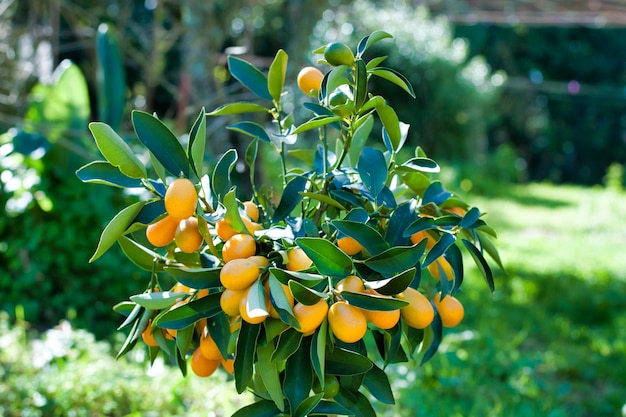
[{"x": 304, "y": 294}]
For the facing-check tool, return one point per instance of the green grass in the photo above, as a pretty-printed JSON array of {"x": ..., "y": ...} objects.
[{"x": 551, "y": 341}]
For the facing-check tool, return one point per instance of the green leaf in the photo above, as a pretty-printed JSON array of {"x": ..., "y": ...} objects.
[
  {"x": 116, "y": 151},
  {"x": 249, "y": 76},
  {"x": 141, "y": 256},
  {"x": 262, "y": 408},
  {"x": 326, "y": 408},
  {"x": 395, "y": 77},
  {"x": 116, "y": 228},
  {"x": 187, "y": 314},
  {"x": 328, "y": 258},
  {"x": 279, "y": 300},
  {"x": 304, "y": 278},
  {"x": 359, "y": 139},
  {"x": 298, "y": 375},
  {"x": 377, "y": 383},
  {"x": 305, "y": 295},
  {"x": 470, "y": 218},
  {"x": 372, "y": 168},
  {"x": 416, "y": 181},
  {"x": 197, "y": 143},
  {"x": 290, "y": 198},
  {"x": 220, "y": 181},
  {"x": 308, "y": 404},
  {"x": 360, "y": 94},
  {"x": 318, "y": 351},
  {"x": 391, "y": 123},
  {"x": 183, "y": 339},
  {"x": 373, "y": 302},
  {"x": 102, "y": 172},
  {"x": 110, "y": 77},
  {"x": 276, "y": 75},
  {"x": 395, "y": 284},
  {"x": 288, "y": 343},
  {"x": 198, "y": 278},
  {"x": 419, "y": 165},
  {"x": 269, "y": 373},
  {"x": 490, "y": 248},
  {"x": 315, "y": 122},
  {"x": 367, "y": 236},
  {"x": 161, "y": 142},
  {"x": 132, "y": 315},
  {"x": 244, "y": 356},
  {"x": 436, "y": 334},
  {"x": 340, "y": 361},
  {"x": 158, "y": 300},
  {"x": 481, "y": 263},
  {"x": 254, "y": 130},
  {"x": 435, "y": 193},
  {"x": 396, "y": 259},
  {"x": 370, "y": 40},
  {"x": 237, "y": 108},
  {"x": 233, "y": 216},
  {"x": 324, "y": 199},
  {"x": 256, "y": 306},
  {"x": 439, "y": 249}
]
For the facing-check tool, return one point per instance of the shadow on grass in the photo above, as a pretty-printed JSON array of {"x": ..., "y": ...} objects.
[{"x": 523, "y": 195}]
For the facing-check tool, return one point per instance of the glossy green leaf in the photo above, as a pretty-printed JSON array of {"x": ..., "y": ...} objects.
[
  {"x": 340, "y": 361},
  {"x": 367, "y": 236},
  {"x": 117, "y": 151},
  {"x": 233, "y": 216},
  {"x": 416, "y": 181},
  {"x": 305, "y": 295},
  {"x": 256, "y": 306},
  {"x": 125, "y": 308},
  {"x": 290, "y": 199},
  {"x": 455, "y": 258},
  {"x": 187, "y": 314},
  {"x": 249, "y": 76},
  {"x": 439, "y": 249},
  {"x": 198, "y": 278},
  {"x": 110, "y": 77},
  {"x": 470, "y": 218},
  {"x": 183, "y": 339},
  {"x": 158, "y": 300},
  {"x": 420, "y": 224},
  {"x": 360, "y": 74},
  {"x": 161, "y": 142},
  {"x": 315, "y": 122},
  {"x": 328, "y": 258},
  {"x": 304, "y": 278},
  {"x": 376, "y": 61},
  {"x": 373, "y": 302},
  {"x": 102, "y": 172},
  {"x": 360, "y": 138},
  {"x": 279, "y": 300},
  {"x": 324, "y": 199},
  {"x": 261, "y": 408},
  {"x": 276, "y": 75},
  {"x": 250, "y": 156},
  {"x": 318, "y": 351},
  {"x": 131, "y": 339},
  {"x": 435, "y": 333},
  {"x": 372, "y": 168},
  {"x": 396, "y": 259},
  {"x": 237, "y": 108},
  {"x": 220, "y": 181},
  {"x": 132, "y": 315},
  {"x": 298, "y": 375},
  {"x": 489, "y": 247},
  {"x": 307, "y": 405},
  {"x": 435, "y": 193},
  {"x": 395, "y": 77},
  {"x": 370, "y": 40},
  {"x": 197, "y": 143},
  {"x": 481, "y": 263},
  {"x": 245, "y": 354},
  {"x": 395, "y": 284},
  {"x": 116, "y": 228},
  {"x": 391, "y": 123},
  {"x": 254, "y": 130},
  {"x": 219, "y": 329},
  {"x": 419, "y": 165},
  {"x": 356, "y": 402},
  {"x": 288, "y": 343},
  {"x": 377, "y": 383},
  {"x": 270, "y": 374},
  {"x": 327, "y": 408}
]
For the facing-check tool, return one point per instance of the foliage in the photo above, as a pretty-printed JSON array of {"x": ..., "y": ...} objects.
[
  {"x": 279, "y": 250},
  {"x": 455, "y": 92},
  {"x": 51, "y": 218},
  {"x": 565, "y": 120},
  {"x": 65, "y": 371}
]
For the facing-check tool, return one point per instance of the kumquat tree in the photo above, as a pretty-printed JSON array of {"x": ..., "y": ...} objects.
[{"x": 307, "y": 293}]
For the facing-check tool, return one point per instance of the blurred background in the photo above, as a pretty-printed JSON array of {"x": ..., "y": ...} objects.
[{"x": 522, "y": 103}]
